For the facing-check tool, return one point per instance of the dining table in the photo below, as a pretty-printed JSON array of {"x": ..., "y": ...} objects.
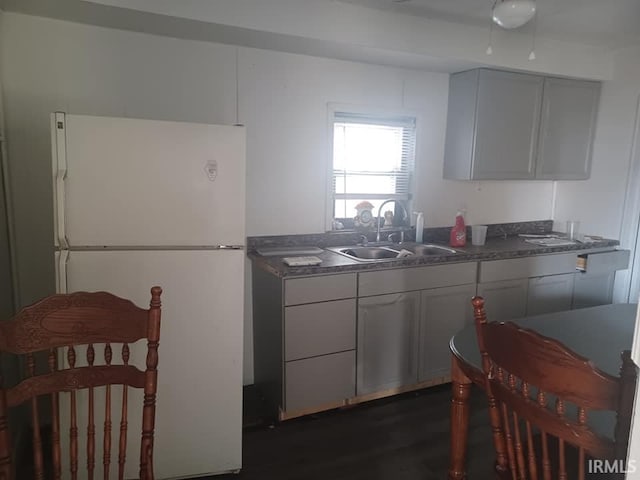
[{"x": 599, "y": 333}]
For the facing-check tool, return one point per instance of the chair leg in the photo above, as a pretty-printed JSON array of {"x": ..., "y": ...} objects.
[{"x": 461, "y": 387}]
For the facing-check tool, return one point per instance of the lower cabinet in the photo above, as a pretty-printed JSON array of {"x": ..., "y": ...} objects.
[
  {"x": 514, "y": 288},
  {"x": 549, "y": 294},
  {"x": 594, "y": 286},
  {"x": 387, "y": 343},
  {"x": 324, "y": 341},
  {"x": 510, "y": 299},
  {"x": 314, "y": 382},
  {"x": 593, "y": 289},
  {"x": 319, "y": 351},
  {"x": 443, "y": 313},
  {"x": 505, "y": 300}
]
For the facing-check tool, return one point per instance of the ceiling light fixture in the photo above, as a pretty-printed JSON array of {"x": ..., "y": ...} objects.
[{"x": 511, "y": 14}]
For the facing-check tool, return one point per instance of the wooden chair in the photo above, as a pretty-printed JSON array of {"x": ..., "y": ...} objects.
[
  {"x": 533, "y": 438},
  {"x": 63, "y": 322}
]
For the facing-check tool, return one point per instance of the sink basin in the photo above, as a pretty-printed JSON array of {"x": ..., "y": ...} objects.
[
  {"x": 380, "y": 253},
  {"x": 430, "y": 249},
  {"x": 368, "y": 253}
]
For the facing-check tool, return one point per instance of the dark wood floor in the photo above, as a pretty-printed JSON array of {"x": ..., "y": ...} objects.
[{"x": 404, "y": 438}]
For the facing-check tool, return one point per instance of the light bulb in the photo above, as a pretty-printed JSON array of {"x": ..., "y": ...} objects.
[{"x": 513, "y": 13}]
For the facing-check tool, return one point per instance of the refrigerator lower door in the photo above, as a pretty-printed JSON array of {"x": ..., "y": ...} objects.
[{"x": 199, "y": 401}]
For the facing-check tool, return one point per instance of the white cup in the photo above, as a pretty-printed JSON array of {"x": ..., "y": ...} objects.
[
  {"x": 573, "y": 229},
  {"x": 478, "y": 234}
]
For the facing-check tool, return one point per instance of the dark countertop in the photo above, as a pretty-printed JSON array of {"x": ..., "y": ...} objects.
[{"x": 494, "y": 249}]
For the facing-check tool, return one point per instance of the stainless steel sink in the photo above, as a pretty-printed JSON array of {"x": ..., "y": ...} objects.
[
  {"x": 431, "y": 249},
  {"x": 363, "y": 253},
  {"x": 381, "y": 253}
]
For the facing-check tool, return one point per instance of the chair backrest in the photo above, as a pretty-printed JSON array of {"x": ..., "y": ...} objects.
[
  {"x": 55, "y": 326},
  {"x": 532, "y": 383}
]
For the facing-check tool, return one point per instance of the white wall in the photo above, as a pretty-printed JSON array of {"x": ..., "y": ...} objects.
[
  {"x": 282, "y": 98},
  {"x": 598, "y": 202},
  {"x": 283, "y": 101},
  {"x": 383, "y": 35}
]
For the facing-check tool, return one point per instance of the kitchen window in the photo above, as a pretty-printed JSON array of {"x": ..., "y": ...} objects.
[{"x": 372, "y": 160}]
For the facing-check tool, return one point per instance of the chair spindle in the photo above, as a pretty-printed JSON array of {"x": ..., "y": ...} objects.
[
  {"x": 512, "y": 383},
  {"x": 73, "y": 430},
  {"x": 531, "y": 454},
  {"x": 546, "y": 464},
  {"x": 38, "y": 459},
  {"x": 6, "y": 456},
  {"x": 56, "y": 456},
  {"x": 582, "y": 422},
  {"x": 122, "y": 453},
  {"x": 562, "y": 467},
  {"x": 106, "y": 457},
  {"x": 91, "y": 426}
]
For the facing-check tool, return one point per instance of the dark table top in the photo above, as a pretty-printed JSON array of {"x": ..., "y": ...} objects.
[{"x": 598, "y": 333}]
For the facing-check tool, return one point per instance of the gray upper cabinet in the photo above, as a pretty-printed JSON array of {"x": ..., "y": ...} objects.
[
  {"x": 514, "y": 126},
  {"x": 507, "y": 119},
  {"x": 568, "y": 122}
]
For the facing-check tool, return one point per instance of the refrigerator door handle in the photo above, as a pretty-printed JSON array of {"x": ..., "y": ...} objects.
[
  {"x": 59, "y": 153},
  {"x": 61, "y": 272}
]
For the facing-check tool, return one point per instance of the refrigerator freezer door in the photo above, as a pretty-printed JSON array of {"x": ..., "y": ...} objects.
[
  {"x": 132, "y": 182},
  {"x": 199, "y": 401}
]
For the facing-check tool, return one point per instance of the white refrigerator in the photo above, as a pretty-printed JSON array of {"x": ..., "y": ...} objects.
[{"x": 141, "y": 203}]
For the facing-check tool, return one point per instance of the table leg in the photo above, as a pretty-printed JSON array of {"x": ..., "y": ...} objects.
[{"x": 459, "y": 421}]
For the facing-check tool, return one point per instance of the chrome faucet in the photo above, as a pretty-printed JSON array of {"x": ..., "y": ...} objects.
[
  {"x": 404, "y": 209},
  {"x": 391, "y": 235}
]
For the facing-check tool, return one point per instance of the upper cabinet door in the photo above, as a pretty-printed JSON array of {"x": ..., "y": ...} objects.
[
  {"x": 569, "y": 113},
  {"x": 515, "y": 126},
  {"x": 507, "y": 121}
]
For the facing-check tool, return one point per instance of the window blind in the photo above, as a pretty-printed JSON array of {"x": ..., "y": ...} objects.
[{"x": 373, "y": 156}]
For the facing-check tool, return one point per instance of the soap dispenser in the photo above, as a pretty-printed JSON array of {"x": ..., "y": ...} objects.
[{"x": 419, "y": 226}]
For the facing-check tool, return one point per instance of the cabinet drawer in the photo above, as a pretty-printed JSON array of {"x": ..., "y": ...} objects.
[
  {"x": 319, "y": 289},
  {"x": 606, "y": 262},
  {"x": 539, "y": 266},
  {"x": 320, "y": 380},
  {"x": 319, "y": 328},
  {"x": 419, "y": 278}
]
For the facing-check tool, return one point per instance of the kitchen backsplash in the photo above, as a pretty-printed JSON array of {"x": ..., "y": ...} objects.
[{"x": 431, "y": 235}]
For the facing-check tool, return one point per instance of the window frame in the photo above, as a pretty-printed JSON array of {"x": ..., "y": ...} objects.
[{"x": 332, "y": 109}]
